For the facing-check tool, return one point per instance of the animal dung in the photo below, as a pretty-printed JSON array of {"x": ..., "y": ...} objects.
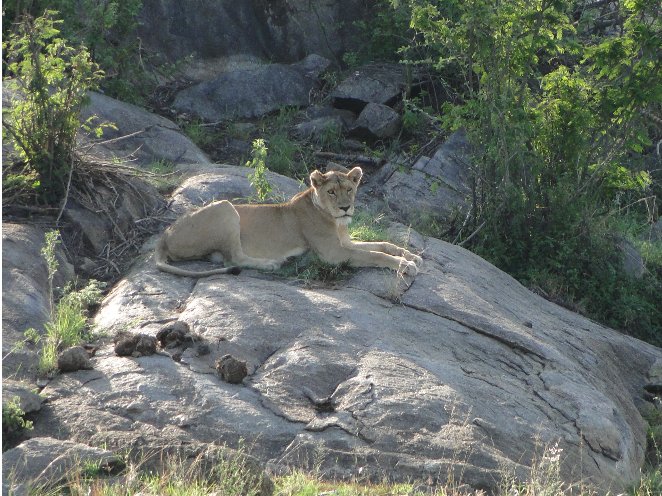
[
  {"x": 231, "y": 370},
  {"x": 175, "y": 335},
  {"x": 135, "y": 345}
]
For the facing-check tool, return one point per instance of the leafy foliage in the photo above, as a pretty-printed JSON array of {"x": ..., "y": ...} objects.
[
  {"x": 107, "y": 29},
  {"x": 13, "y": 421},
  {"x": 554, "y": 115},
  {"x": 258, "y": 178},
  {"x": 52, "y": 81}
]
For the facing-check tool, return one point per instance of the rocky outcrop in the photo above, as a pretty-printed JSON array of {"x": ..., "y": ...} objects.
[
  {"x": 253, "y": 91},
  {"x": 227, "y": 182},
  {"x": 462, "y": 374},
  {"x": 140, "y": 138},
  {"x": 281, "y": 31},
  {"x": 434, "y": 187},
  {"x": 376, "y": 83},
  {"x": 37, "y": 464}
]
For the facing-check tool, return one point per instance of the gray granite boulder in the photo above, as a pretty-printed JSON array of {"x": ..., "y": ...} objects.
[
  {"x": 252, "y": 92},
  {"x": 375, "y": 83},
  {"x": 152, "y": 138},
  {"x": 376, "y": 121},
  {"x": 281, "y": 31},
  {"x": 434, "y": 187},
  {"x": 462, "y": 374},
  {"x": 38, "y": 464}
]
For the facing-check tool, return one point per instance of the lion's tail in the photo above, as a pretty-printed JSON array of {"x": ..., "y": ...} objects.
[{"x": 161, "y": 261}]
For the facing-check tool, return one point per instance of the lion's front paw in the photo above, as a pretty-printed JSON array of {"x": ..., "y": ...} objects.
[
  {"x": 408, "y": 267},
  {"x": 413, "y": 258}
]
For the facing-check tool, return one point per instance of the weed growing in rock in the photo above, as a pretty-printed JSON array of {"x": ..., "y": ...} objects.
[
  {"x": 68, "y": 319},
  {"x": 13, "y": 421},
  {"x": 258, "y": 178},
  {"x": 368, "y": 227}
]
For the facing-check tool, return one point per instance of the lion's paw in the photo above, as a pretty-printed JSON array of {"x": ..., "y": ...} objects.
[
  {"x": 407, "y": 267},
  {"x": 412, "y": 258}
]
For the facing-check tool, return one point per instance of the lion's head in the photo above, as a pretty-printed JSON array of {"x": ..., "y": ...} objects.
[{"x": 335, "y": 192}]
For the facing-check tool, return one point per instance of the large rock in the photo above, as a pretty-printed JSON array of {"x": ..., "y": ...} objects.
[
  {"x": 281, "y": 31},
  {"x": 151, "y": 138},
  {"x": 25, "y": 294},
  {"x": 227, "y": 182},
  {"x": 435, "y": 187},
  {"x": 470, "y": 375},
  {"x": 376, "y": 121},
  {"x": 253, "y": 91},
  {"x": 28, "y": 400},
  {"x": 375, "y": 83},
  {"x": 36, "y": 464}
]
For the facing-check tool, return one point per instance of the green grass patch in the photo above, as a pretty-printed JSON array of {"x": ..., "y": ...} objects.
[{"x": 67, "y": 325}]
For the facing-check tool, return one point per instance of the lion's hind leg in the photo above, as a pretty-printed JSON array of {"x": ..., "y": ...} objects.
[{"x": 231, "y": 249}]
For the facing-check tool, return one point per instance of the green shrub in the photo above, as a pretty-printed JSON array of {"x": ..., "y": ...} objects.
[
  {"x": 108, "y": 29},
  {"x": 52, "y": 79},
  {"x": 258, "y": 178},
  {"x": 13, "y": 421},
  {"x": 554, "y": 117}
]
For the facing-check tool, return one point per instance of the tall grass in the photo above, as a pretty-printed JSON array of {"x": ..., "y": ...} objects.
[{"x": 67, "y": 324}]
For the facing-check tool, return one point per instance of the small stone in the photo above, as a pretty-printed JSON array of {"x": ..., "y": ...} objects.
[
  {"x": 231, "y": 370},
  {"x": 203, "y": 349},
  {"x": 73, "y": 359},
  {"x": 527, "y": 323}
]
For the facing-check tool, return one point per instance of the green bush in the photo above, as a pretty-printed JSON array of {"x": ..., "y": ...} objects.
[
  {"x": 13, "y": 421},
  {"x": 554, "y": 115},
  {"x": 52, "y": 80},
  {"x": 107, "y": 28}
]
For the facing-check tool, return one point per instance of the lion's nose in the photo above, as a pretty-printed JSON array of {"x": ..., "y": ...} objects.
[{"x": 345, "y": 209}]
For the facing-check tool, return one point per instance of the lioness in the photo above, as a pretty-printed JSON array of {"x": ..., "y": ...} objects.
[{"x": 264, "y": 236}]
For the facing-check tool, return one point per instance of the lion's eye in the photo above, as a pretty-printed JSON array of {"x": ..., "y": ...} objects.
[
  {"x": 332, "y": 193},
  {"x": 349, "y": 190}
]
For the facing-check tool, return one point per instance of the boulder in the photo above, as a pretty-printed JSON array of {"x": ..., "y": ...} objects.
[
  {"x": 464, "y": 374},
  {"x": 40, "y": 463},
  {"x": 73, "y": 358},
  {"x": 151, "y": 138},
  {"x": 252, "y": 92},
  {"x": 434, "y": 187},
  {"x": 375, "y": 83},
  {"x": 29, "y": 401},
  {"x": 281, "y": 31},
  {"x": 227, "y": 182},
  {"x": 25, "y": 297},
  {"x": 376, "y": 121}
]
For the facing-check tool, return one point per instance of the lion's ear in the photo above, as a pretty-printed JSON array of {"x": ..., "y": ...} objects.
[
  {"x": 355, "y": 174},
  {"x": 317, "y": 179}
]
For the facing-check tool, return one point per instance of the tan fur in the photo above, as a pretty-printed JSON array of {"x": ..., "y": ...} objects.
[{"x": 264, "y": 236}]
